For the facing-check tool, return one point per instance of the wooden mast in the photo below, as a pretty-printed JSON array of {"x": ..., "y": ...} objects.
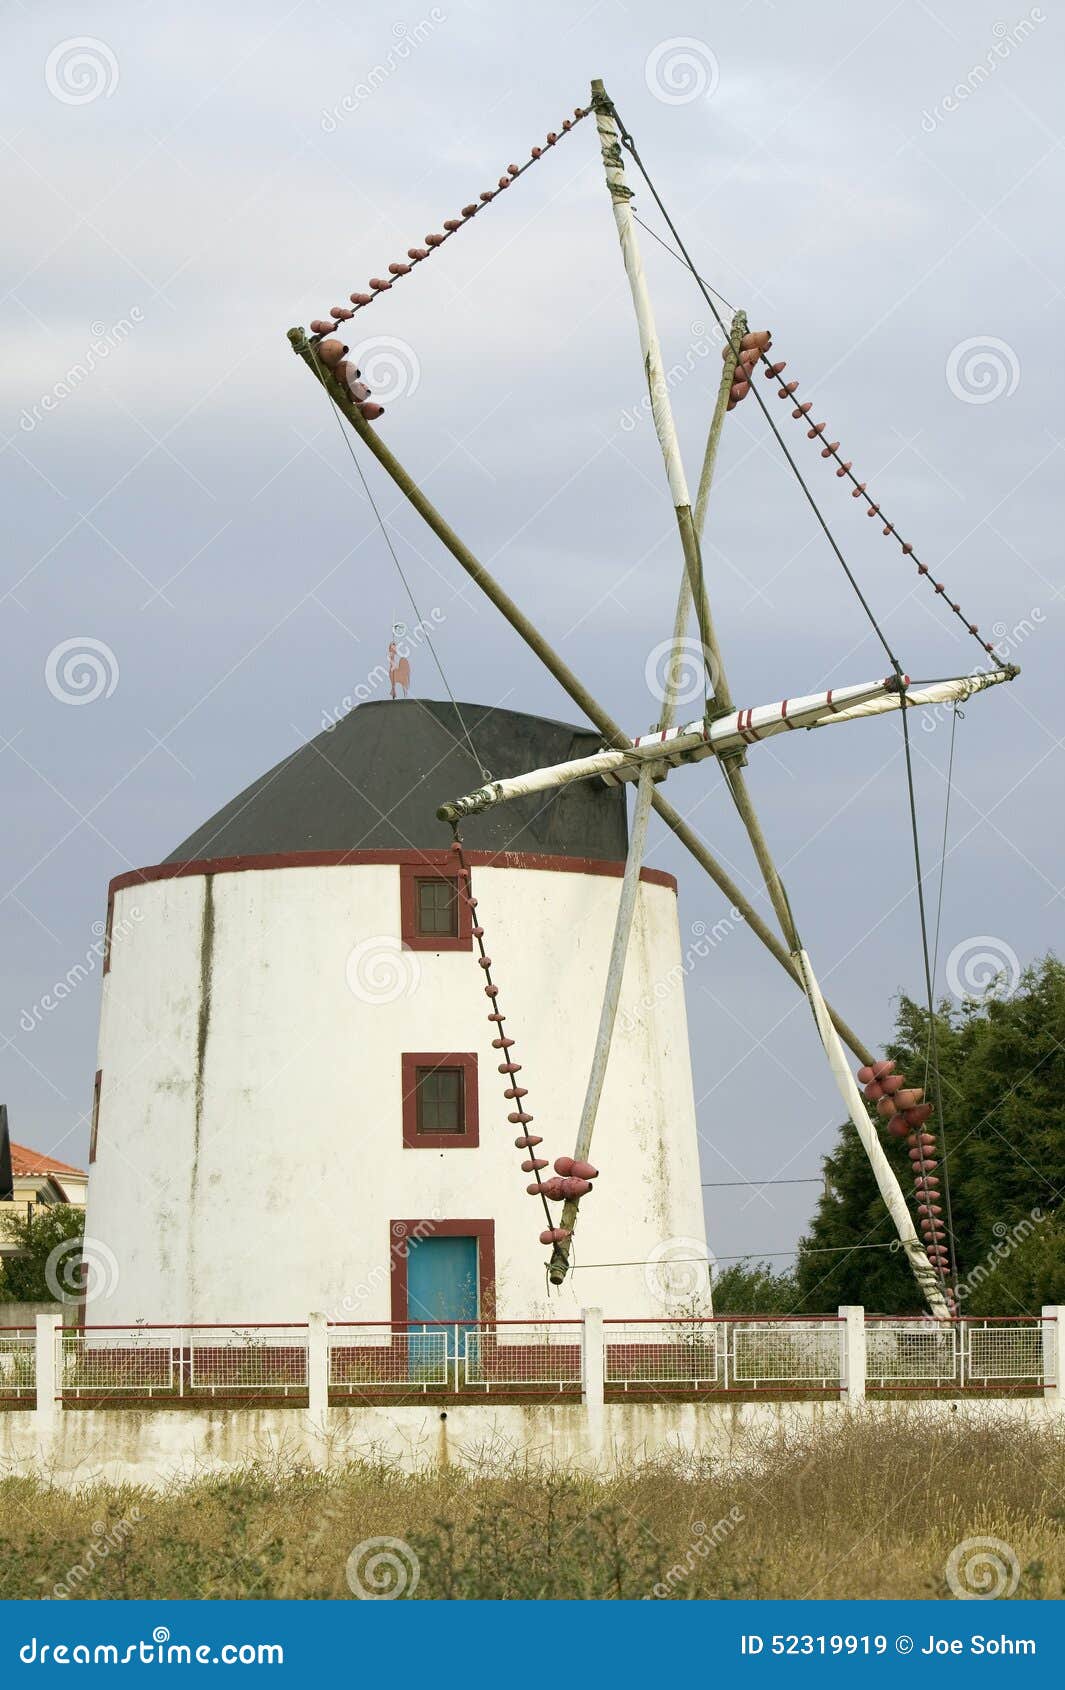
[
  {"x": 732, "y": 764},
  {"x": 661, "y": 409},
  {"x": 692, "y": 589},
  {"x": 564, "y": 675},
  {"x": 620, "y": 195},
  {"x": 730, "y": 354},
  {"x": 556, "y": 666}
]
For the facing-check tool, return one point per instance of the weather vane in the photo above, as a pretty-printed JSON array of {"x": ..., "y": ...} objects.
[{"x": 398, "y": 666}]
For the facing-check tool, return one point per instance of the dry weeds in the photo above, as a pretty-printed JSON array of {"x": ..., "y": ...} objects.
[{"x": 868, "y": 1509}]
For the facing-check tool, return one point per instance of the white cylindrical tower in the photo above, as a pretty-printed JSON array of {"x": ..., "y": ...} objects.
[{"x": 298, "y": 1102}]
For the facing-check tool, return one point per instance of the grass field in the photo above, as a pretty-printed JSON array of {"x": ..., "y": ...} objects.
[{"x": 865, "y": 1510}]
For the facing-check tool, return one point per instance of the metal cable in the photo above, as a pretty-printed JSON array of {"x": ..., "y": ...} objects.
[
  {"x": 830, "y": 451},
  {"x": 435, "y": 242},
  {"x": 629, "y": 144},
  {"x": 747, "y": 1256},
  {"x": 485, "y": 773}
]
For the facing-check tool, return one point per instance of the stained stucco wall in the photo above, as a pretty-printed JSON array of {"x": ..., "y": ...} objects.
[{"x": 249, "y": 1152}]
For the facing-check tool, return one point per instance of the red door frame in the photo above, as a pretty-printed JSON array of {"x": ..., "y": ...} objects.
[{"x": 484, "y": 1232}]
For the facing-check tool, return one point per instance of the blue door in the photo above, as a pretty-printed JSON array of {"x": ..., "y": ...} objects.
[{"x": 441, "y": 1286}]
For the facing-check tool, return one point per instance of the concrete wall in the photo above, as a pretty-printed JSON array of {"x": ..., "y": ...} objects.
[
  {"x": 157, "y": 1448},
  {"x": 249, "y": 1151},
  {"x": 69, "y": 1444}
]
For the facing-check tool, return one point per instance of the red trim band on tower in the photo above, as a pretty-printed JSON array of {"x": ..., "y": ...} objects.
[{"x": 397, "y": 858}]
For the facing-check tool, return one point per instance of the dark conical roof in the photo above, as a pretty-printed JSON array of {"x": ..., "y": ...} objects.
[{"x": 373, "y": 782}]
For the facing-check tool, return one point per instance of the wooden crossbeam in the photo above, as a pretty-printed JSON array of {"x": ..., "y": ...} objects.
[
  {"x": 734, "y": 774},
  {"x": 668, "y": 748},
  {"x": 557, "y": 666}
]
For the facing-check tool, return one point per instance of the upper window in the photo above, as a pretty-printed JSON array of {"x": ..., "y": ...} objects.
[
  {"x": 439, "y": 1100},
  {"x": 436, "y": 908},
  {"x": 434, "y": 915}
]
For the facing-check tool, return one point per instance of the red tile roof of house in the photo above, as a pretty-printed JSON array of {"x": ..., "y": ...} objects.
[{"x": 25, "y": 1161}]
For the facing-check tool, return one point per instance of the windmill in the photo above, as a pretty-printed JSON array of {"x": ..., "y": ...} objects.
[{"x": 723, "y": 733}]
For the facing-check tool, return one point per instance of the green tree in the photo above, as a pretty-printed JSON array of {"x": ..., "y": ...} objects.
[
  {"x": 751, "y": 1287},
  {"x": 1002, "y": 1102},
  {"x": 44, "y": 1234},
  {"x": 1024, "y": 1270}
]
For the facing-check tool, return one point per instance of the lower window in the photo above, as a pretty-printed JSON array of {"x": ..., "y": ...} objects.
[{"x": 439, "y": 1100}]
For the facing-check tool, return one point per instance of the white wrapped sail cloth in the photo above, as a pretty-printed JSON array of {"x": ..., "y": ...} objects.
[
  {"x": 669, "y": 747},
  {"x": 693, "y": 741},
  {"x": 935, "y": 692},
  {"x": 884, "y": 1174}
]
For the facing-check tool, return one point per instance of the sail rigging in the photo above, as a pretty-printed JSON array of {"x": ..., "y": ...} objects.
[{"x": 723, "y": 733}]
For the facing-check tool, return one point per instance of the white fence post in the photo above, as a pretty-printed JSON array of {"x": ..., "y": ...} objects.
[
  {"x": 317, "y": 1370},
  {"x": 1053, "y": 1329},
  {"x": 593, "y": 1376},
  {"x": 852, "y": 1355},
  {"x": 48, "y": 1379}
]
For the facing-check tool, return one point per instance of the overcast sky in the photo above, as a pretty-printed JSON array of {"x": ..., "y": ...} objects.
[{"x": 880, "y": 185}]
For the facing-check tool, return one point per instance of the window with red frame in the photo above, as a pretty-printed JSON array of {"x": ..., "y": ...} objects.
[
  {"x": 440, "y": 1100},
  {"x": 95, "y": 1127},
  {"x": 108, "y": 925},
  {"x": 433, "y": 914}
]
